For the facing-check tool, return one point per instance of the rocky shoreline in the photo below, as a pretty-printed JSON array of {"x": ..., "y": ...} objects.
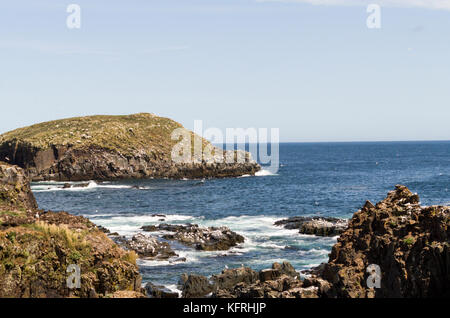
[{"x": 409, "y": 243}]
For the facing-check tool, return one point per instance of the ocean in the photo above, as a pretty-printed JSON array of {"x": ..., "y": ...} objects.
[{"x": 314, "y": 179}]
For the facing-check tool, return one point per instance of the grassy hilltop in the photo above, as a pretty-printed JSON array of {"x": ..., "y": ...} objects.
[
  {"x": 123, "y": 133},
  {"x": 110, "y": 147}
]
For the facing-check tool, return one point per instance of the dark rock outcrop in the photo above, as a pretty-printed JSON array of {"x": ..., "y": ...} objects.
[
  {"x": 243, "y": 282},
  {"x": 114, "y": 147},
  {"x": 409, "y": 243},
  {"x": 155, "y": 291},
  {"x": 321, "y": 226},
  {"x": 15, "y": 188},
  {"x": 196, "y": 286},
  {"x": 205, "y": 239}
]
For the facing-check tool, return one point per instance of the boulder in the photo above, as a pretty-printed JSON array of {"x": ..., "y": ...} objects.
[
  {"x": 231, "y": 277},
  {"x": 155, "y": 291},
  {"x": 320, "y": 226},
  {"x": 196, "y": 286}
]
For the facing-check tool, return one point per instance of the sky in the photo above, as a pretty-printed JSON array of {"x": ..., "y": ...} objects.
[{"x": 311, "y": 68}]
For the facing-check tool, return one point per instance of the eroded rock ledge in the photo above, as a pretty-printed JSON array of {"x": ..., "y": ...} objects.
[{"x": 112, "y": 147}]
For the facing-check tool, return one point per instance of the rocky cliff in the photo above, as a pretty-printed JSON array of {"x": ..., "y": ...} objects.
[
  {"x": 111, "y": 147},
  {"x": 37, "y": 247},
  {"x": 410, "y": 244}
]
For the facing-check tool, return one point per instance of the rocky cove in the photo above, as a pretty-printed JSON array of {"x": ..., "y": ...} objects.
[{"x": 409, "y": 242}]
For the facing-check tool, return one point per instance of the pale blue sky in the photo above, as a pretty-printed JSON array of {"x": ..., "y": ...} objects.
[{"x": 314, "y": 71}]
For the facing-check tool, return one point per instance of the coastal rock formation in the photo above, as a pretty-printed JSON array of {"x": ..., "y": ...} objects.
[
  {"x": 146, "y": 246},
  {"x": 205, "y": 239},
  {"x": 409, "y": 243},
  {"x": 321, "y": 226},
  {"x": 37, "y": 247},
  {"x": 15, "y": 188},
  {"x": 281, "y": 281},
  {"x": 114, "y": 147}
]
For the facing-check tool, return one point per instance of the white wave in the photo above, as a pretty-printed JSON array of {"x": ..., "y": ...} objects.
[
  {"x": 130, "y": 225},
  {"x": 272, "y": 245},
  {"x": 314, "y": 252},
  {"x": 174, "y": 288},
  {"x": 265, "y": 173},
  {"x": 76, "y": 186},
  {"x": 156, "y": 263}
]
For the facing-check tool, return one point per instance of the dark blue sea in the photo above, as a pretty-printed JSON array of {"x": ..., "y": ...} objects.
[{"x": 326, "y": 179}]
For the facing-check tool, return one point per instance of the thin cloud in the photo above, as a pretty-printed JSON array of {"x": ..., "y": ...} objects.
[{"x": 427, "y": 4}]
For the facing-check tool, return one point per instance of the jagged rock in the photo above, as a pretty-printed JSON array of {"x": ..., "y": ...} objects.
[
  {"x": 408, "y": 242},
  {"x": 15, "y": 188},
  {"x": 155, "y": 291},
  {"x": 285, "y": 268},
  {"x": 244, "y": 282},
  {"x": 230, "y": 277},
  {"x": 315, "y": 225},
  {"x": 206, "y": 239},
  {"x": 146, "y": 246},
  {"x": 196, "y": 286},
  {"x": 113, "y": 147},
  {"x": 268, "y": 274}
]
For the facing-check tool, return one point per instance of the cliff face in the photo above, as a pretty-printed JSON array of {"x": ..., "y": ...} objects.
[
  {"x": 37, "y": 247},
  {"x": 15, "y": 188},
  {"x": 108, "y": 147},
  {"x": 409, "y": 243}
]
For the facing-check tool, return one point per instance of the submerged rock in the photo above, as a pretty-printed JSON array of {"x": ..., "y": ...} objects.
[
  {"x": 205, "y": 239},
  {"x": 114, "y": 147},
  {"x": 321, "y": 226}
]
